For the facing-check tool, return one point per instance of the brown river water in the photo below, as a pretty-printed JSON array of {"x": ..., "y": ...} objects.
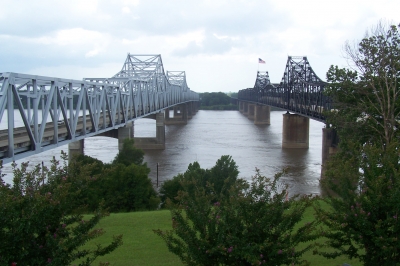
[{"x": 208, "y": 136}]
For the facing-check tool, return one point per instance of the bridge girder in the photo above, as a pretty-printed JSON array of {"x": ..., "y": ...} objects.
[
  {"x": 57, "y": 111},
  {"x": 300, "y": 91}
]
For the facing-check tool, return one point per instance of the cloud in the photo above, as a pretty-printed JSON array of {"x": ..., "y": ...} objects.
[
  {"x": 217, "y": 43},
  {"x": 209, "y": 44}
]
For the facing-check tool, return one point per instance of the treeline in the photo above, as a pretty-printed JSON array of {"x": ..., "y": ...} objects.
[{"x": 216, "y": 101}]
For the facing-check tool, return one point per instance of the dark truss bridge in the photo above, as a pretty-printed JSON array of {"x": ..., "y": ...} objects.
[{"x": 300, "y": 91}]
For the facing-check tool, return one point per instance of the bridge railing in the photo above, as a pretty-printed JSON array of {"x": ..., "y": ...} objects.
[
  {"x": 78, "y": 109},
  {"x": 300, "y": 91}
]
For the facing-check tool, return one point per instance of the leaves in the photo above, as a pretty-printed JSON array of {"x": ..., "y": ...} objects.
[
  {"x": 361, "y": 221},
  {"x": 40, "y": 223},
  {"x": 242, "y": 224}
]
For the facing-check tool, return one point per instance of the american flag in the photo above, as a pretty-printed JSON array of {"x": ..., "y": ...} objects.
[{"x": 260, "y": 61}]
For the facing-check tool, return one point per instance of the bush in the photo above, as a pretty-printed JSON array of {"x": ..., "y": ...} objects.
[
  {"x": 128, "y": 188},
  {"x": 123, "y": 185},
  {"x": 224, "y": 173},
  {"x": 39, "y": 224},
  {"x": 364, "y": 176},
  {"x": 243, "y": 224}
]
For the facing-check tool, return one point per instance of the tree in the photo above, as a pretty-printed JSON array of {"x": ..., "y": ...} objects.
[
  {"x": 244, "y": 224},
  {"x": 216, "y": 101},
  {"x": 123, "y": 185},
  {"x": 129, "y": 154},
  {"x": 362, "y": 221},
  {"x": 39, "y": 224},
  {"x": 128, "y": 188},
  {"x": 223, "y": 174}
]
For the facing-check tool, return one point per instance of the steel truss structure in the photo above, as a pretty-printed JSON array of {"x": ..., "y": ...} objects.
[
  {"x": 57, "y": 111},
  {"x": 300, "y": 91}
]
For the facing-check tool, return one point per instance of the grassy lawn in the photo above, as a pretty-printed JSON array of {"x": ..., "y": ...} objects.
[
  {"x": 143, "y": 247},
  {"x": 140, "y": 245}
]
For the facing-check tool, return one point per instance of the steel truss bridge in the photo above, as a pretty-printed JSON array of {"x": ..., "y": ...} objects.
[
  {"x": 300, "y": 91},
  {"x": 56, "y": 111}
]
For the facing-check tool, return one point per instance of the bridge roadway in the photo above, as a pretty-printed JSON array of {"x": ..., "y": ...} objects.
[
  {"x": 140, "y": 89},
  {"x": 22, "y": 141}
]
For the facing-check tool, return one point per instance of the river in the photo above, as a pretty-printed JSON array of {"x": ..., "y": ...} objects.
[{"x": 208, "y": 136}]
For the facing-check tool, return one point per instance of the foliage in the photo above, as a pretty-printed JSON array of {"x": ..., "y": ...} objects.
[
  {"x": 224, "y": 173},
  {"x": 123, "y": 185},
  {"x": 364, "y": 175},
  {"x": 170, "y": 188},
  {"x": 128, "y": 188},
  {"x": 40, "y": 225},
  {"x": 129, "y": 154},
  {"x": 243, "y": 224},
  {"x": 228, "y": 107},
  {"x": 214, "y": 98},
  {"x": 232, "y": 94}
]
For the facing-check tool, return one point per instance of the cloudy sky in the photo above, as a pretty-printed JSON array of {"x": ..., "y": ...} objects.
[{"x": 216, "y": 42}]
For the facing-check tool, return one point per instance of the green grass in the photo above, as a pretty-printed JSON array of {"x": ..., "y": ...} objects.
[
  {"x": 143, "y": 247},
  {"x": 319, "y": 260},
  {"x": 140, "y": 245}
]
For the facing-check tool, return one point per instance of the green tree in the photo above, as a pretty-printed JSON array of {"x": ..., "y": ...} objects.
[
  {"x": 123, "y": 185},
  {"x": 362, "y": 220},
  {"x": 245, "y": 224},
  {"x": 129, "y": 154},
  {"x": 40, "y": 225},
  {"x": 223, "y": 174},
  {"x": 216, "y": 101},
  {"x": 128, "y": 188}
]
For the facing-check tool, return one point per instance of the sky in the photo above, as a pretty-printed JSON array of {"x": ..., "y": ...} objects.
[{"x": 216, "y": 42}]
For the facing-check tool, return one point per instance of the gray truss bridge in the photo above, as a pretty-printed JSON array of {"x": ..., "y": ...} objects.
[
  {"x": 56, "y": 111},
  {"x": 300, "y": 91}
]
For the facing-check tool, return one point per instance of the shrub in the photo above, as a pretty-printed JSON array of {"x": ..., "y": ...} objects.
[
  {"x": 243, "y": 224},
  {"x": 223, "y": 174},
  {"x": 40, "y": 225}
]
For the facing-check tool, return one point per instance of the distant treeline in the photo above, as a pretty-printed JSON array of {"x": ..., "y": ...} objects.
[{"x": 217, "y": 101}]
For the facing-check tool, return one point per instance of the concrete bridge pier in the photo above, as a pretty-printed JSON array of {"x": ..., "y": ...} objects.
[
  {"x": 157, "y": 143},
  {"x": 241, "y": 107},
  {"x": 262, "y": 115},
  {"x": 195, "y": 107},
  {"x": 295, "y": 131},
  {"x": 245, "y": 109},
  {"x": 180, "y": 115},
  {"x": 250, "y": 113},
  {"x": 75, "y": 148},
  {"x": 189, "y": 110},
  {"x": 330, "y": 142},
  {"x": 126, "y": 132}
]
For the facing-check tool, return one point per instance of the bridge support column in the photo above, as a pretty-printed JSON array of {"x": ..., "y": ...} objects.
[
  {"x": 75, "y": 148},
  {"x": 180, "y": 118},
  {"x": 166, "y": 114},
  {"x": 189, "y": 110},
  {"x": 195, "y": 107},
  {"x": 262, "y": 115},
  {"x": 241, "y": 106},
  {"x": 157, "y": 143},
  {"x": 245, "y": 108},
  {"x": 251, "y": 111},
  {"x": 177, "y": 111},
  {"x": 295, "y": 131},
  {"x": 329, "y": 146},
  {"x": 126, "y": 132}
]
